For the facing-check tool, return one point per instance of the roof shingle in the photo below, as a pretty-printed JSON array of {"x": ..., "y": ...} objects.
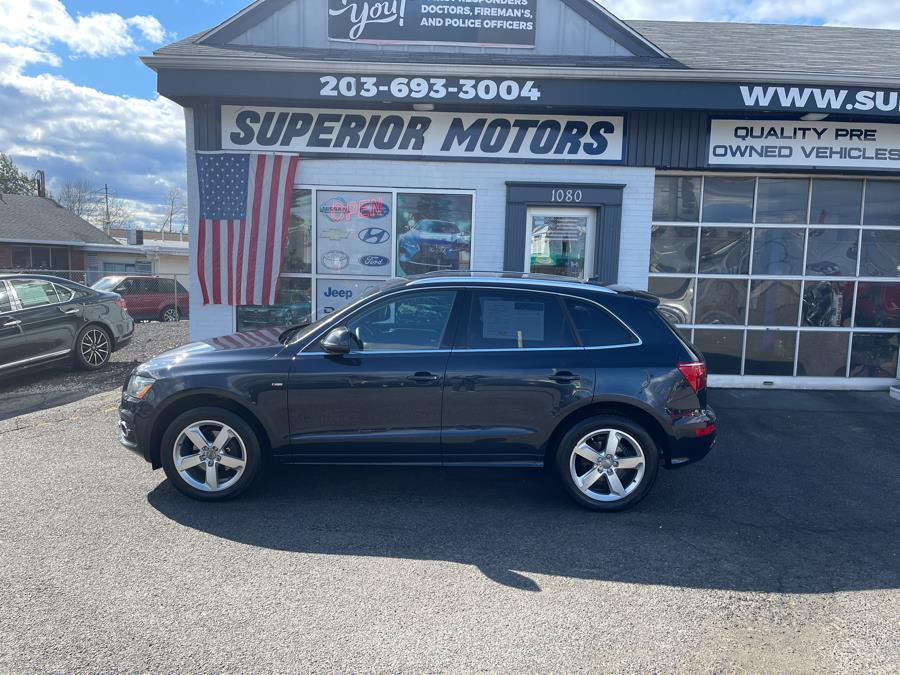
[{"x": 38, "y": 219}]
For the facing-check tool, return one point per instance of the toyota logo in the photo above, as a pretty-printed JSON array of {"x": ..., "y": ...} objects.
[
  {"x": 374, "y": 235},
  {"x": 335, "y": 260}
]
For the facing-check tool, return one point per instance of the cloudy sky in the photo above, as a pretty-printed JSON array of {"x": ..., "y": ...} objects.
[{"x": 77, "y": 102}]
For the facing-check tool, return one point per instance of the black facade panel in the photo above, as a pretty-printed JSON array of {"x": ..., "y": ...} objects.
[
  {"x": 667, "y": 140},
  {"x": 208, "y": 126}
]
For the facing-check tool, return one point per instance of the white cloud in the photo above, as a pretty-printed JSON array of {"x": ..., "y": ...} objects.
[
  {"x": 75, "y": 132},
  {"x": 41, "y": 23},
  {"x": 861, "y": 13}
]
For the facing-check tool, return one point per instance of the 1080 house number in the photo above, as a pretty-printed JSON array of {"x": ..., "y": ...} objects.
[{"x": 570, "y": 196}]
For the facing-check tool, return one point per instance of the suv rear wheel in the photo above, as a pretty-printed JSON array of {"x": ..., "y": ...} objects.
[
  {"x": 210, "y": 454},
  {"x": 170, "y": 314},
  {"x": 607, "y": 463}
]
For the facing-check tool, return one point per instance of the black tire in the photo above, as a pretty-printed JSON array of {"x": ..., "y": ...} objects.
[
  {"x": 170, "y": 314},
  {"x": 93, "y": 347},
  {"x": 248, "y": 444},
  {"x": 630, "y": 433}
]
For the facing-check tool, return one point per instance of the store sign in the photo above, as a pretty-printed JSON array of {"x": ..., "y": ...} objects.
[
  {"x": 332, "y": 294},
  {"x": 354, "y": 233},
  {"x": 435, "y": 135},
  {"x": 507, "y": 23},
  {"x": 825, "y": 145}
]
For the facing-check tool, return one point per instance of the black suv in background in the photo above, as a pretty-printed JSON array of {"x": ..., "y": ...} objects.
[
  {"x": 446, "y": 370},
  {"x": 45, "y": 319}
]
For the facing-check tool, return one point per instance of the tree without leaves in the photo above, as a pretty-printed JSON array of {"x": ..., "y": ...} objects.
[
  {"x": 83, "y": 199},
  {"x": 14, "y": 181},
  {"x": 174, "y": 212}
]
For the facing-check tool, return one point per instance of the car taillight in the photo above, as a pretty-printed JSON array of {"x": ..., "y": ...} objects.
[
  {"x": 120, "y": 303},
  {"x": 695, "y": 374}
]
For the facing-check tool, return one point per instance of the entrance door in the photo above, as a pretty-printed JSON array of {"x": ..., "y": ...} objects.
[{"x": 561, "y": 241}]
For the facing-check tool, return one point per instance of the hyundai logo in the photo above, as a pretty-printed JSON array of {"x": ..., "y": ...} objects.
[
  {"x": 335, "y": 260},
  {"x": 374, "y": 235},
  {"x": 373, "y": 260}
]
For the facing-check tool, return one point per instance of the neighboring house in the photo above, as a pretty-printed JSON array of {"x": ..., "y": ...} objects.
[{"x": 38, "y": 235}]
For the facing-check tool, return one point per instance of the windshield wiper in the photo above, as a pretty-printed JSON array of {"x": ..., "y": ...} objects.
[{"x": 290, "y": 332}]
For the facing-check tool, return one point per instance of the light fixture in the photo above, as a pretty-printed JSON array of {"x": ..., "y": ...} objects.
[
  {"x": 814, "y": 117},
  {"x": 423, "y": 107}
]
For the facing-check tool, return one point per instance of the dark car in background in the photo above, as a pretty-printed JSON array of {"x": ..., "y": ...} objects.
[
  {"x": 446, "y": 370},
  {"x": 45, "y": 319},
  {"x": 432, "y": 245},
  {"x": 149, "y": 298}
]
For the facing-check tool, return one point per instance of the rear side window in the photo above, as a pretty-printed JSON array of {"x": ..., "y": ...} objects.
[
  {"x": 35, "y": 293},
  {"x": 596, "y": 327},
  {"x": 517, "y": 320}
]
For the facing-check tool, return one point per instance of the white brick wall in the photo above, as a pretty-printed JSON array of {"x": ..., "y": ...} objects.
[{"x": 489, "y": 182}]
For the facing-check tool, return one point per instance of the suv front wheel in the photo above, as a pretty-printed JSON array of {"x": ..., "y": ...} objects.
[
  {"x": 210, "y": 454},
  {"x": 607, "y": 463}
]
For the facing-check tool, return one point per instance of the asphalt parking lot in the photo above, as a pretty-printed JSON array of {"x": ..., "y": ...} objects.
[{"x": 777, "y": 553}]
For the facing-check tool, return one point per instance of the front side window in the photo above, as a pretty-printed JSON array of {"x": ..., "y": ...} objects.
[
  {"x": 411, "y": 322},
  {"x": 35, "y": 293},
  {"x": 517, "y": 320}
]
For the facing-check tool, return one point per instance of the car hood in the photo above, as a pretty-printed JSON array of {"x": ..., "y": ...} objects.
[{"x": 262, "y": 343}]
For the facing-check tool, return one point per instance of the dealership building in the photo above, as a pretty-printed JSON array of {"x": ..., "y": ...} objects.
[{"x": 748, "y": 175}]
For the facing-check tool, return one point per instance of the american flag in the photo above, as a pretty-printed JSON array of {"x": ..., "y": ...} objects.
[{"x": 245, "y": 206}]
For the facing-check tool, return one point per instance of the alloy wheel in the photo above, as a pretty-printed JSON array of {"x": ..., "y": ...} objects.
[
  {"x": 95, "y": 347},
  {"x": 170, "y": 315},
  {"x": 607, "y": 465},
  {"x": 209, "y": 456}
]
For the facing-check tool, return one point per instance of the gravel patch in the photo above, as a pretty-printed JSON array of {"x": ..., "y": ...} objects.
[{"x": 61, "y": 383}]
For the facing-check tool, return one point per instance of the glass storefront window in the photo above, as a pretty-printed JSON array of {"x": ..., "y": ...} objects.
[
  {"x": 721, "y": 301},
  {"x": 832, "y": 253},
  {"x": 353, "y": 233},
  {"x": 558, "y": 243},
  {"x": 677, "y": 199},
  {"x": 722, "y": 349},
  {"x": 770, "y": 352},
  {"x": 724, "y": 250},
  {"x": 673, "y": 249},
  {"x": 778, "y": 252},
  {"x": 782, "y": 200},
  {"x": 827, "y": 304},
  {"x": 878, "y": 305},
  {"x": 298, "y": 254},
  {"x": 882, "y": 202},
  {"x": 728, "y": 200},
  {"x": 880, "y": 256},
  {"x": 774, "y": 303},
  {"x": 874, "y": 355},
  {"x": 434, "y": 232},
  {"x": 836, "y": 202},
  {"x": 823, "y": 354},
  {"x": 676, "y": 298},
  {"x": 293, "y": 306}
]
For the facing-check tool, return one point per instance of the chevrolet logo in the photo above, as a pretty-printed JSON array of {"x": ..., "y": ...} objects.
[{"x": 335, "y": 234}]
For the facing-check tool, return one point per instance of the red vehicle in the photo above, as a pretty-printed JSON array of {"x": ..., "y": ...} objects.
[{"x": 149, "y": 298}]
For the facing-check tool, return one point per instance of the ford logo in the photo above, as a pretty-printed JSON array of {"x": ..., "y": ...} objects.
[
  {"x": 335, "y": 260},
  {"x": 374, "y": 235},
  {"x": 374, "y": 208},
  {"x": 373, "y": 260}
]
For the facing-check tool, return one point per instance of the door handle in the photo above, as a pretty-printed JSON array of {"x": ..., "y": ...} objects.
[
  {"x": 424, "y": 378},
  {"x": 10, "y": 324},
  {"x": 565, "y": 377},
  {"x": 70, "y": 310}
]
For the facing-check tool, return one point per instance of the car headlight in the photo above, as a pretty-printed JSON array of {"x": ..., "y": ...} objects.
[{"x": 139, "y": 386}]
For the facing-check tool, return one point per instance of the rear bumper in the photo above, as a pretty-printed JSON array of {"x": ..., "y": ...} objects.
[{"x": 693, "y": 438}]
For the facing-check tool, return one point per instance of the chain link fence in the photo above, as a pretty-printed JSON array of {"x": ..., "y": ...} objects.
[{"x": 149, "y": 297}]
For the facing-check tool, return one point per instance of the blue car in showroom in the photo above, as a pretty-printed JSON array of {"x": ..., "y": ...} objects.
[
  {"x": 433, "y": 245},
  {"x": 455, "y": 370}
]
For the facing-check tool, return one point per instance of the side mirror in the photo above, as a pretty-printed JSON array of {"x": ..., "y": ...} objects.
[{"x": 339, "y": 341}]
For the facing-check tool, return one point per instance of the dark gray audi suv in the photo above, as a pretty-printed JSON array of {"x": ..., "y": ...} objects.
[{"x": 447, "y": 370}]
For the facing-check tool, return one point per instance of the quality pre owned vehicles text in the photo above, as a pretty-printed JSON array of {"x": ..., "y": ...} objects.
[{"x": 446, "y": 369}]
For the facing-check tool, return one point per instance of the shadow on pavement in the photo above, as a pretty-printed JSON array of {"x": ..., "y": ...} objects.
[{"x": 800, "y": 496}]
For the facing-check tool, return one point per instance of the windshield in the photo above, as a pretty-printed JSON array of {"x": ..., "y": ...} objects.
[{"x": 106, "y": 283}]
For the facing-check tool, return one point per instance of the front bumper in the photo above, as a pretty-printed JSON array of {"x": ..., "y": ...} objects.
[
  {"x": 134, "y": 428},
  {"x": 693, "y": 437}
]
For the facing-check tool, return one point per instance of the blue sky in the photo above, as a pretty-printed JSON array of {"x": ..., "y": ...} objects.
[{"x": 78, "y": 103}]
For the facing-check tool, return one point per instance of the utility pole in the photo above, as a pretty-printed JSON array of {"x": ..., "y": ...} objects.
[{"x": 106, "y": 193}]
